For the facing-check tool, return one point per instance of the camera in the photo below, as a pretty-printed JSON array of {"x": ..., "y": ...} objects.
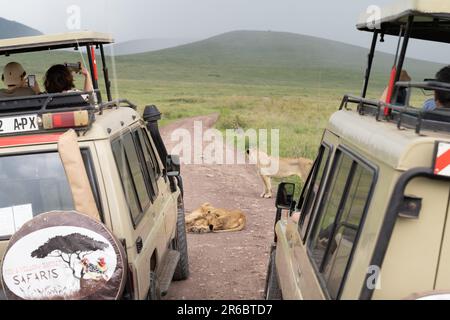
[
  {"x": 73, "y": 67},
  {"x": 31, "y": 80}
]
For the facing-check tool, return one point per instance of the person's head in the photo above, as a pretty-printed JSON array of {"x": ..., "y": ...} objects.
[
  {"x": 14, "y": 75},
  {"x": 58, "y": 79},
  {"x": 443, "y": 97},
  {"x": 404, "y": 76}
]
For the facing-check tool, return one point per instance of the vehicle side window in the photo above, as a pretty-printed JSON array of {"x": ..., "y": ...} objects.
[
  {"x": 154, "y": 162},
  {"x": 339, "y": 220},
  {"x": 132, "y": 176},
  {"x": 136, "y": 170},
  {"x": 148, "y": 158},
  {"x": 312, "y": 189}
]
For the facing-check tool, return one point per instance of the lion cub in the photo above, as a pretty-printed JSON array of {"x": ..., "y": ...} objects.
[
  {"x": 209, "y": 219},
  {"x": 286, "y": 167}
]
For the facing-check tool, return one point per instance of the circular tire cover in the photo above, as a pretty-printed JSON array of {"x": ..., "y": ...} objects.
[{"x": 64, "y": 255}]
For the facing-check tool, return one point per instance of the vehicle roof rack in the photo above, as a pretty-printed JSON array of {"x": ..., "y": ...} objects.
[
  {"x": 44, "y": 103},
  {"x": 116, "y": 104},
  {"x": 405, "y": 115}
]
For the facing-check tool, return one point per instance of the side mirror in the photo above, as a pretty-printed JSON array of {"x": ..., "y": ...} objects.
[
  {"x": 285, "y": 196},
  {"x": 173, "y": 165}
]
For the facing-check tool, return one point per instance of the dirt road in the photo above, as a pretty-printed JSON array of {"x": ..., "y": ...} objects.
[{"x": 224, "y": 265}]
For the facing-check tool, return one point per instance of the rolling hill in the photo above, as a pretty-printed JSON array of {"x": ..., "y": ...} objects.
[
  {"x": 251, "y": 58},
  {"x": 252, "y": 79},
  {"x": 12, "y": 29},
  {"x": 256, "y": 57},
  {"x": 145, "y": 45}
]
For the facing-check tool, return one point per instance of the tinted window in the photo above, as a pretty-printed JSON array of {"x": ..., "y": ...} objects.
[
  {"x": 127, "y": 182},
  {"x": 31, "y": 184},
  {"x": 312, "y": 189},
  {"x": 325, "y": 223},
  {"x": 151, "y": 167},
  {"x": 339, "y": 220},
  {"x": 151, "y": 151},
  {"x": 347, "y": 229},
  {"x": 136, "y": 171}
]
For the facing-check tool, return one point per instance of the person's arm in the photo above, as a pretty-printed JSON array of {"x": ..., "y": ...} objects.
[
  {"x": 88, "y": 87},
  {"x": 36, "y": 88}
]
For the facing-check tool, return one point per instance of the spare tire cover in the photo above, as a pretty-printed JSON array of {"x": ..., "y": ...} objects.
[{"x": 64, "y": 255}]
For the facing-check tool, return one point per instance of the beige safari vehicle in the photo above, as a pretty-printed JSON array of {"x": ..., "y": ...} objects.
[
  {"x": 372, "y": 221},
  {"x": 136, "y": 186}
]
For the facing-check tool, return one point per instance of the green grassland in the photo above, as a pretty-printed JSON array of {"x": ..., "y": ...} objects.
[{"x": 252, "y": 79}]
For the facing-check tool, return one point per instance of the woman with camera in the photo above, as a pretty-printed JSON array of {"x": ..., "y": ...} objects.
[{"x": 59, "y": 78}]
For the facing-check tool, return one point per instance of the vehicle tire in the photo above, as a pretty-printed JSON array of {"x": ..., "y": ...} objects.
[
  {"x": 180, "y": 244},
  {"x": 272, "y": 290},
  {"x": 154, "y": 292}
]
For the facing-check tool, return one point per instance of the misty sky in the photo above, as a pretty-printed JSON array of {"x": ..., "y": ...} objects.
[{"x": 198, "y": 19}]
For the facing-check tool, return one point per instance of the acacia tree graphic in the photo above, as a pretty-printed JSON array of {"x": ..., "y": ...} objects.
[{"x": 70, "y": 249}]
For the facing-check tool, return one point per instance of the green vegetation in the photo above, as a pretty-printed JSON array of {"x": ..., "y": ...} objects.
[{"x": 252, "y": 79}]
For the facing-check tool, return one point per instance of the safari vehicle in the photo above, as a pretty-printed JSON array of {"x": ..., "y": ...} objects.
[
  {"x": 136, "y": 185},
  {"x": 372, "y": 221}
]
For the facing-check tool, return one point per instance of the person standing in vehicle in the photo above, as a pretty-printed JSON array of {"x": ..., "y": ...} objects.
[
  {"x": 441, "y": 98},
  {"x": 14, "y": 77},
  {"x": 60, "y": 79}
]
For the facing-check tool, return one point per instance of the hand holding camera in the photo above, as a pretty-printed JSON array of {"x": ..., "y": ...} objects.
[
  {"x": 74, "y": 67},
  {"x": 31, "y": 79}
]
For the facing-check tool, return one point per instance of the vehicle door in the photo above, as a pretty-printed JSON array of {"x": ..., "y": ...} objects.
[{"x": 299, "y": 282}]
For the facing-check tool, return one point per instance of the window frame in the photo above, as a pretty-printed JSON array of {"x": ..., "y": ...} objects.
[
  {"x": 368, "y": 166},
  {"x": 135, "y": 221},
  {"x": 151, "y": 193},
  {"x": 152, "y": 187},
  {"x": 151, "y": 144},
  {"x": 324, "y": 145}
]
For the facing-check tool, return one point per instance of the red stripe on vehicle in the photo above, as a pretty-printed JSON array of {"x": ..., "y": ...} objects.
[
  {"x": 31, "y": 139},
  {"x": 442, "y": 162}
]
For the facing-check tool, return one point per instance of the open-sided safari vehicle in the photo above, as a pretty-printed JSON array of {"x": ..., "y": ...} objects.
[
  {"x": 80, "y": 151},
  {"x": 372, "y": 221}
]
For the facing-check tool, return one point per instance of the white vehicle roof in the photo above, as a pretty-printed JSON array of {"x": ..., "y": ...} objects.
[
  {"x": 425, "y": 13},
  {"x": 55, "y": 41}
]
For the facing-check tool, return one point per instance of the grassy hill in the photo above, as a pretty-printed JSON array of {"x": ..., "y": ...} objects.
[
  {"x": 275, "y": 58},
  {"x": 145, "y": 45},
  {"x": 11, "y": 29},
  {"x": 253, "y": 79}
]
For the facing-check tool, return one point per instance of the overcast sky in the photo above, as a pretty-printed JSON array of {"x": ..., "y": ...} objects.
[{"x": 198, "y": 19}]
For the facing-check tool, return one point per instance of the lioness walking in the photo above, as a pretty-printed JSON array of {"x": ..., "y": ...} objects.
[{"x": 286, "y": 167}]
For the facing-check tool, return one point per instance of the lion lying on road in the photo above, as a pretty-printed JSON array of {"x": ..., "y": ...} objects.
[{"x": 209, "y": 219}]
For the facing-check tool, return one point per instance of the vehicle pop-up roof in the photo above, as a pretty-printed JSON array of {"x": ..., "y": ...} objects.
[
  {"x": 431, "y": 19},
  {"x": 57, "y": 111},
  {"x": 88, "y": 39},
  {"x": 55, "y": 41},
  {"x": 406, "y": 19}
]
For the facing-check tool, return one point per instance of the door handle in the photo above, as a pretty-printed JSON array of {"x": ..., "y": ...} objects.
[{"x": 139, "y": 245}]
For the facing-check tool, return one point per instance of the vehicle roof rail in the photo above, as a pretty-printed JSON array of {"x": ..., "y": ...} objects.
[{"x": 116, "y": 103}]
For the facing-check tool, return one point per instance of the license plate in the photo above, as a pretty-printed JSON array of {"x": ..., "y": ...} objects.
[{"x": 19, "y": 124}]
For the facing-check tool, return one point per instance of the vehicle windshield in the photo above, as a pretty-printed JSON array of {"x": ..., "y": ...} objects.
[{"x": 31, "y": 184}]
